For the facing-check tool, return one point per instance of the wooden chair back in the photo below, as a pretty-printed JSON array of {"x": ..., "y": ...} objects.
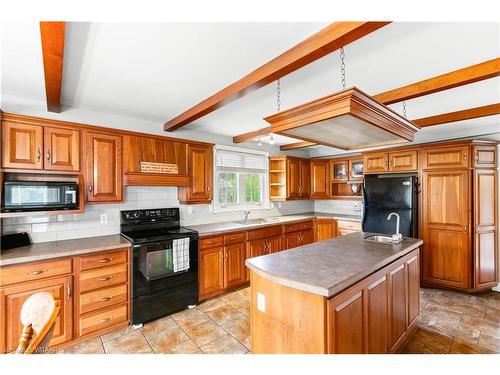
[{"x": 38, "y": 316}]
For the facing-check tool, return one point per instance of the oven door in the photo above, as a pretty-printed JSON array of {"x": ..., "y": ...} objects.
[{"x": 157, "y": 260}]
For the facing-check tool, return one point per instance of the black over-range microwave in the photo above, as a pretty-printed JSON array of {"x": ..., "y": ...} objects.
[{"x": 39, "y": 196}]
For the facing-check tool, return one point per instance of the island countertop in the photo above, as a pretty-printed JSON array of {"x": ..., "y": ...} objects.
[{"x": 331, "y": 266}]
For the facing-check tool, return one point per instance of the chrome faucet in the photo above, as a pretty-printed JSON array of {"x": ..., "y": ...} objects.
[
  {"x": 246, "y": 214},
  {"x": 396, "y": 237}
]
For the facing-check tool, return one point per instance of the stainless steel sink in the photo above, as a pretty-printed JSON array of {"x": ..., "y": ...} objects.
[
  {"x": 377, "y": 238},
  {"x": 258, "y": 221}
]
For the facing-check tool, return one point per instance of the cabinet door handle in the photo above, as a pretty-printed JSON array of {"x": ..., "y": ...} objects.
[
  {"x": 465, "y": 228},
  {"x": 105, "y": 260},
  {"x": 390, "y": 163},
  {"x": 69, "y": 291},
  {"x": 477, "y": 157},
  {"x": 465, "y": 157},
  {"x": 90, "y": 188},
  {"x": 104, "y": 299},
  {"x": 210, "y": 242},
  {"x": 48, "y": 155},
  {"x": 105, "y": 278},
  {"x": 222, "y": 255},
  {"x": 104, "y": 320},
  {"x": 38, "y": 154},
  {"x": 34, "y": 273}
]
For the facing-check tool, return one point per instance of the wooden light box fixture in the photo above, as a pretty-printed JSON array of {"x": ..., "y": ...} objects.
[{"x": 348, "y": 120}]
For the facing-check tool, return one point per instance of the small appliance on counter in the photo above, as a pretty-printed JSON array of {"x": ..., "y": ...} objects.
[
  {"x": 11, "y": 241},
  {"x": 25, "y": 196},
  {"x": 387, "y": 193},
  {"x": 164, "y": 263}
]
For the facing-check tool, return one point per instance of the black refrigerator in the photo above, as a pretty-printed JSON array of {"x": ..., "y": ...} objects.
[{"x": 383, "y": 194}]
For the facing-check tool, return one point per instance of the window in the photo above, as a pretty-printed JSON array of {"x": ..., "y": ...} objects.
[{"x": 240, "y": 179}]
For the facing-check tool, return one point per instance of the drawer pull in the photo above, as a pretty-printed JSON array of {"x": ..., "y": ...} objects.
[
  {"x": 104, "y": 299},
  {"x": 104, "y": 320},
  {"x": 34, "y": 273},
  {"x": 105, "y": 260},
  {"x": 232, "y": 238},
  {"x": 105, "y": 278}
]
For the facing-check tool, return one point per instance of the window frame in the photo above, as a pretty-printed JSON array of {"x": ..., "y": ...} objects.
[{"x": 241, "y": 205}]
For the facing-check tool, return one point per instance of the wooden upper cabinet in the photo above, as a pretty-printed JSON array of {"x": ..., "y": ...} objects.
[
  {"x": 485, "y": 230},
  {"x": 320, "y": 179},
  {"x": 376, "y": 162},
  {"x": 104, "y": 167},
  {"x": 199, "y": 161},
  {"x": 356, "y": 168},
  {"x": 61, "y": 149},
  {"x": 305, "y": 178},
  {"x": 22, "y": 146},
  {"x": 485, "y": 156},
  {"x": 445, "y": 157},
  {"x": 339, "y": 170},
  {"x": 446, "y": 256},
  {"x": 12, "y": 299},
  {"x": 403, "y": 161},
  {"x": 293, "y": 178}
]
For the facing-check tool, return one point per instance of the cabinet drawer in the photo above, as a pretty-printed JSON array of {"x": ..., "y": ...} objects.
[
  {"x": 35, "y": 271},
  {"x": 306, "y": 225},
  {"x": 234, "y": 238},
  {"x": 287, "y": 228},
  {"x": 99, "y": 260},
  {"x": 101, "y": 298},
  {"x": 103, "y": 277},
  {"x": 264, "y": 232},
  {"x": 344, "y": 224},
  {"x": 211, "y": 242},
  {"x": 103, "y": 319}
]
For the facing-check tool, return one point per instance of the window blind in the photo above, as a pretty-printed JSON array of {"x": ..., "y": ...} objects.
[{"x": 238, "y": 161}]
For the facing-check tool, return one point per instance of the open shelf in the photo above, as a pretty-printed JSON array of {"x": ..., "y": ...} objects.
[{"x": 342, "y": 190}]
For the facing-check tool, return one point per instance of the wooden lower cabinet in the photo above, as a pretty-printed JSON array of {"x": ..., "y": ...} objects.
[
  {"x": 87, "y": 310},
  {"x": 12, "y": 299},
  {"x": 211, "y": 272},
  {"x": 234, "y": 265},
  {"x": 324, "y": 229},
  {"x": 299, "y": 238},
  {"x": 378, "y": 315}
]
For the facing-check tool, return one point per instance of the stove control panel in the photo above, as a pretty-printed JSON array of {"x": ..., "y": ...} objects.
[{"x": 152, "y": 214}]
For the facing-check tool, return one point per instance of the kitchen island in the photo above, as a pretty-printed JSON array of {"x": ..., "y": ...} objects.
[{"x": 343, "y": 295}]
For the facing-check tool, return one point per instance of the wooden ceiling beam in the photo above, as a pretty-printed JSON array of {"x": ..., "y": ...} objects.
[
  {"x": 252, "y": 135},
  {"x": 465, "y": 114},
  {"x": 294, "y": 146},
  {"x": 460, "y": 77},
  {"x": 52, "y": 36},
  {"x": 322, "y": 43}
]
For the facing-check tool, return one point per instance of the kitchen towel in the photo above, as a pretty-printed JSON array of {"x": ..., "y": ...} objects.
[{"x": 181, "y": 254}]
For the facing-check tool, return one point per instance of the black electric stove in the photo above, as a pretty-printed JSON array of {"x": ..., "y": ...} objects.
[{"x": 158, "y": 288}]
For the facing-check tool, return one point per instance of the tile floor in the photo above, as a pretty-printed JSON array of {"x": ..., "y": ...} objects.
[
  {"x": 449, "y": 322},
  {"x": 218, "y": 326}
]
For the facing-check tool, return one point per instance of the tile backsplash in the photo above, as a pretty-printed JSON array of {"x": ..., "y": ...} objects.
[
  {"x": 339, "y": 206},
  {"x": 62, "y": 227}
]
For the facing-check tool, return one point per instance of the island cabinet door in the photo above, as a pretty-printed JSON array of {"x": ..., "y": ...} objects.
[
  {"x": 377, "y": 308},
  {"x": 397, "y": 306},
  {"x": 234, "y": 265},
  {"x": 345, "y": 322},
  {"x": 211, "y": 271}
]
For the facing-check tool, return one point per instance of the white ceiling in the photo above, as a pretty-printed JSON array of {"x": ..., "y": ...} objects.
[{"x": 157, "y": 70}]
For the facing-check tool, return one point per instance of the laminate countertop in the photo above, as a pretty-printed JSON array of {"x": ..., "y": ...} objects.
[
  {"x": 330, "y": 266},
  {"x": 234, "y": 226},
  {"x": 60, "y": 249}
]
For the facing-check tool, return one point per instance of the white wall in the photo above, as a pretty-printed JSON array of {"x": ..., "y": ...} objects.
[{"x": 339, "y": 206}]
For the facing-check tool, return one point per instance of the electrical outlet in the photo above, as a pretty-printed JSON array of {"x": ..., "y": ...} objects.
[
  {"x": 104, "y": 218},
  {"x": 261, "y": 302}
]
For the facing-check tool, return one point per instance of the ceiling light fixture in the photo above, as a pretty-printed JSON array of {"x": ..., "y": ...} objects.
[
  {"x": 348, "y": 120},
  {"x": 271, "y": 139},
  {"x": 259, "y": 142}
]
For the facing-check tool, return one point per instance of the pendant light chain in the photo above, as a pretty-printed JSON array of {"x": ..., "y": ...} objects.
[
  {"x": 404, "y": 109},
  {"x": 278, "y": 94},
  {"x": 342, "y": 66}
]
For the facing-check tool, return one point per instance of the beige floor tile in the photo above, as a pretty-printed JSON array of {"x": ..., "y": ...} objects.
[
  {"x": 467, "y": 309},
  {"x": 211, "y": 305},
  {"x": 205, "y": 332},
  {"x": 93, "y": 346},
  {"x": 224, "y": 314},
  {"x": 185, "y": 347},
  {"x": 117, "y": 333},
  {"x": 168, "y": 341},
  {"x": 189, "y": 318},
  {"x": 239, "y": 329},
  {"x": 132, "y": 343},
  {"x": 158, "y": 326},
  {"x": 245, "y": 309},
  {"x": 462, "y": 347},
  {"x": 236, "y": 299},
  {"x": 489, "y": 342},
  {"x": 224, "y": 345}
]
